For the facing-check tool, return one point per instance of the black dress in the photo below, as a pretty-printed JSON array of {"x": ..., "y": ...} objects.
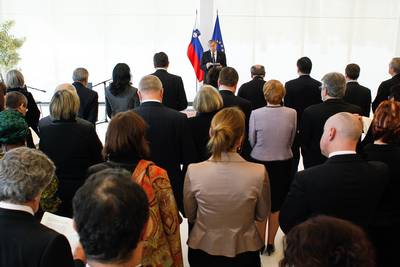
[
  {"x": 279, "y": 174},
  {"x": 385, "y": 230}
]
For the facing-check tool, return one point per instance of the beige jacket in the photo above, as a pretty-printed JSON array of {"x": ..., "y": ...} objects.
[{"x": 224, "y": 199}]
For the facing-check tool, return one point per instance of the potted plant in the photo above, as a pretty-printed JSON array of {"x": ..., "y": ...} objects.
[{"x": 9, "y": 45}]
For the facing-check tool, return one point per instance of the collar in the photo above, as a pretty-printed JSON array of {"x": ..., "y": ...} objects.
[
  {"x": 150, "y": 100},
  {"x": 19, "y": 207},
  {"x": 225, "y": 88},
  {"x": 160, "y": 68},
  {"x": 352, "y": 81},
  {"x": 228, "y": 157},
  {"x": 342, "y": 152}
]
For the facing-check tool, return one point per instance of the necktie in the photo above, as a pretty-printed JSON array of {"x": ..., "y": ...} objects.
[{"x": 213, "y": 57}]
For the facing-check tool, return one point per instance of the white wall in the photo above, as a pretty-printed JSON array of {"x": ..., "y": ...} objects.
[
  {"x": 331, "y": 33},
  {"x": 97, "y": 34}
]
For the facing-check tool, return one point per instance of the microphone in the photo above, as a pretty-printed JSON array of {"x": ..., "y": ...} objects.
[{"x": 36, "y": 89}]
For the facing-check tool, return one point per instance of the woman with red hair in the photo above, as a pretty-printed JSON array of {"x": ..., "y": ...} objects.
[{"x": 384, "y": 232}]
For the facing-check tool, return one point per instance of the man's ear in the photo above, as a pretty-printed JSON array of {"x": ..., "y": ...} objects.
[
  {"x": 162, "y": 93},
  {"x": 332, "y": 134}
]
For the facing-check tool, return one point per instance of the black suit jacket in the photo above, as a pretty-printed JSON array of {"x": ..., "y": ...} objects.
[
  {"x": 89, "y": 106},
  {"x": 25, "y": 242},
  {"x": 302, "y": 93},
  {"x": 200, "y": 127},
  {"x": 171, "y": 142},
  {"x": 73, "y": 146},
  {"x": 206, "y": 58},
  {"x": 384, "y": 90},
  {"x": 358, "y": 95},
  {"x": 174, "y": 92},
  {"x": 389, "y": 207},
  {"x": 253, "y": 91},
  {"x": 345, "y": 186},
  {"x": 312, "y": 126},
  {"x": 231, "y": 100}
]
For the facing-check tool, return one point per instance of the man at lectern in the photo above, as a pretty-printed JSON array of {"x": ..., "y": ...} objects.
[{"x": 212, "y": 57}]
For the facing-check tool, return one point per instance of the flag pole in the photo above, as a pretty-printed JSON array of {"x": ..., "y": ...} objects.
[{"x": 195, "y": 25}]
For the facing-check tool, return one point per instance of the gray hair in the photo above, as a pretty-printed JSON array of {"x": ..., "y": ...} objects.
[
  {"x": 207, "y": 99},
  {"x": 335, "y": 84},
  {"x": 150, "y": 83},
  {"x": 24, "y": 174},
  {"x": 14, "y": 79},
  {"x": 80, "y": 75},
  {"x": 65, "y": 103},
  {"x": 395, "y": 64},
  {"x": 257, "y": 70}
]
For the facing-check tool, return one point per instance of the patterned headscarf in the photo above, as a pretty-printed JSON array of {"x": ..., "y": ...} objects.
[{"x": 13, "y": 127}]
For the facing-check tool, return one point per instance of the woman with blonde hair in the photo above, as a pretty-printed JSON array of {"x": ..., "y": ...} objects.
[
  {"x": 207, "y": 103},
  {"x": 70, "y": 142},
  {"x": 225, "y": 197},
  {"x": 271, "y": 134}
]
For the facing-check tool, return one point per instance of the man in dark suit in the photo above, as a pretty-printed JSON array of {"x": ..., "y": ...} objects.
[
  {"x": 357, "y": 94},
  {"x": 345, "y": 186},
  {"x": 174, "y": 93},
  {"x": 89, "y": 104},
  {"x": 227, "y": 81},
  {"x": 212, "y": 57},
  {"x": 24, "y": 242},
  {"x": 113, "y": 237},
  {"x": 170, "y": 141},
  {"x": 301, "y": 93},
  {"x": 315, "y": 116},
  {"x": 384, "y": 89},
  {"x": 253, "y": 90}
]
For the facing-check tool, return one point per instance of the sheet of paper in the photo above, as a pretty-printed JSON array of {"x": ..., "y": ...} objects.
[
  {"x": 35, "y": 137},
  {"x": 366, "y": 124},
  {"x": 63, "y": 225}
]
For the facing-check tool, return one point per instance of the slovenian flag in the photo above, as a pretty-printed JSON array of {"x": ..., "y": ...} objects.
[
  {"x": 194, "y": 53},
  {"x": 217, "y": 36}
]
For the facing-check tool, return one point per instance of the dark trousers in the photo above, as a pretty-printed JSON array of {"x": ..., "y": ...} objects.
[{"x": 199, "y": 258}]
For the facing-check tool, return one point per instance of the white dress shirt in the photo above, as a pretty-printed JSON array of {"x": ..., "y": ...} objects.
[
  {"x": 342, "y": 152},
  {"x": 12, "y": 206}
]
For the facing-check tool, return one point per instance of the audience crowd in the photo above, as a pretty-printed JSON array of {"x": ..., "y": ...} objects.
[{"x": 231, "y": 170}]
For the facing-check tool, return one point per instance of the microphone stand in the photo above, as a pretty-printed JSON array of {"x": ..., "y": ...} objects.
[
  {"x": 39, "y": 102},
  {"x": 104, "y": 83},
  {"x": 36, "y": 89}
]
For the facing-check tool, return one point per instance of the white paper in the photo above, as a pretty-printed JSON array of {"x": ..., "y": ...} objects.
[
  {"x": 35, "y": 137},
  {"x": 63, "y": 225},
  {"x": 366, "y": 123}
]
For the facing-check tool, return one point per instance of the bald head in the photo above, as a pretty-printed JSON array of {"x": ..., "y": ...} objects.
[
  {"x": 341, "y": 132},
  {"x": 65, "y": 86}
]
